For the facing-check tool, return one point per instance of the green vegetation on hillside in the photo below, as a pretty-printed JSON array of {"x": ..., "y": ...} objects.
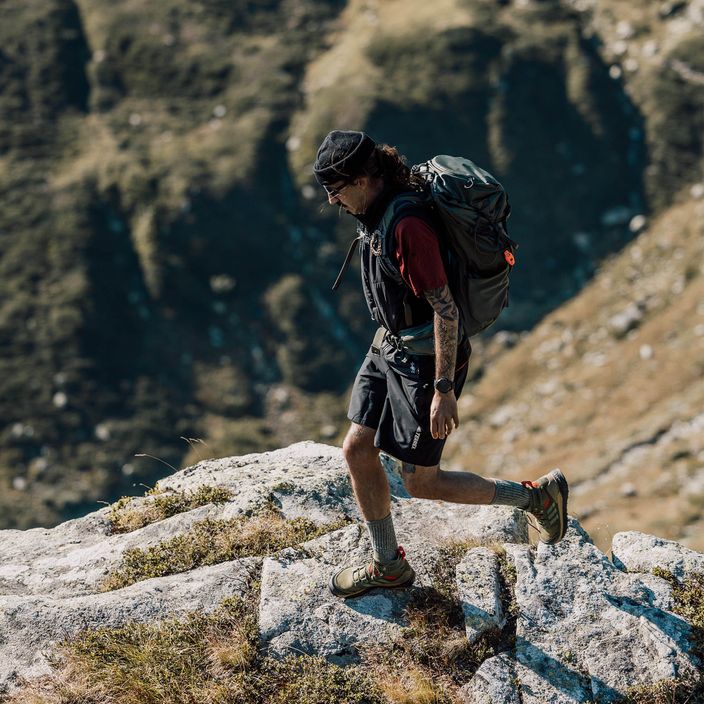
[
  {"x": 165, "y": 260},
  {"x": 145, "y": 217}
]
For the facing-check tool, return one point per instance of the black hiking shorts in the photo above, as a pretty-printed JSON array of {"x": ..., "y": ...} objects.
[{"x": 392, "y": 394}]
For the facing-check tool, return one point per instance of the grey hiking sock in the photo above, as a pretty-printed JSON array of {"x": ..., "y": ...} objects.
[
  {"x": 383, "y": 538},
  {"x": 511, "y": 494}
]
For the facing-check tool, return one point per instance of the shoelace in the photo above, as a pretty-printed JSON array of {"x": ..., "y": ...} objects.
[
  {"x": 532, "y": 523},
  {"x": 536, "y": 505},
  {"x": 365, "y": 572},
  {"x": 371, "y": 571},
  {"x": 535, "y": 511}
]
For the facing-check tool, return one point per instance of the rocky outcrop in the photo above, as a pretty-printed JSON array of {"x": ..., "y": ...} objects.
[
  {"x": 297, "y": 611},
  {"x": 579, "y": 627},
  {"x": 637, "y": 552},
  {"x": 586, "y": 630}
]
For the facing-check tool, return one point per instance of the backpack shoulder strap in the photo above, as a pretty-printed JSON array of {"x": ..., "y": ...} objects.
[
  {"x": 412, "y": 203},
  {"x": 346, "y": 263},
  {"x": 405, "y": 204}
]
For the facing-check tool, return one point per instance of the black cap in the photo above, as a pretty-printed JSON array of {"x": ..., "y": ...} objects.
[{"x": 342, "y": 156}]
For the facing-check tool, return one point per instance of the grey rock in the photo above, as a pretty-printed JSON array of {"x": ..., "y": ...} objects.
[
  {"x": 639, "y": 552},
  {"x": 31, "y": 625},
  {"x": 479, "y": 589},
  {"x": 638, "y": 223},
  {"x": 306, "y": 479},
  {"x": 627, "y": 320},
  {"x": 297, "y": 612},
  {"x": 628, "y": 490},
  {"x": 614, "y": 217},
  {"x": 586, "y": 630},
  {"x": 495, "y": 682}
]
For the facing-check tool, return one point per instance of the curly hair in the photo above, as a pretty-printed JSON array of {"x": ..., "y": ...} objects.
[{"x": 389, "y": 164}]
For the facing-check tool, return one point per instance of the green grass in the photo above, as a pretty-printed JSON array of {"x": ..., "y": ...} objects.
[
  {"x": 125, "y": 516},
  {"x": 210, "y": 542},
  {"x": 206, "y": 658}
]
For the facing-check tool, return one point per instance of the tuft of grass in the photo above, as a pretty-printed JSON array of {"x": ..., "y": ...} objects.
[
  {"x": 412, "y": 685},
  {"x": 688, "y": 602},
  {"x": 313, "y": 680},
  {"x": 663, "y": 692},
  {"x": 212, "y": 541},
  {"x": 284, "y": 487},
  {"x": 507, "y": 577},
  {"x": 206, "y": 658},
  {"x": 125, "y": 518}
]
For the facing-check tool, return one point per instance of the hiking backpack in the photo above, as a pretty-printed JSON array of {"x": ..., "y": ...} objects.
[{"x": 472, "y": 207}]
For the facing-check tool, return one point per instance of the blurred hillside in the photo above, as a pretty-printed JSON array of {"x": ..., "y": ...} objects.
[
  {"x": 166, "y": 261},
  {"x": 611, "y": 385},
  {"x": 608, "y": 387}
]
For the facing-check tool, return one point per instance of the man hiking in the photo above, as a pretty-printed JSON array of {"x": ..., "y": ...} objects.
[{"x": 404, "y": 399}]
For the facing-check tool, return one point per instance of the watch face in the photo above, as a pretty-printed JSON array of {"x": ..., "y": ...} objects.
[{"x": 443, "y": 385}]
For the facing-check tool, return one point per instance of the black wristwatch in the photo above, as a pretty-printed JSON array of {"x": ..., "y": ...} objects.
[{"x": 443, "y": 385}]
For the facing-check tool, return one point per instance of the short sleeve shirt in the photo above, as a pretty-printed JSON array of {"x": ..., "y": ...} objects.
[{"x": 418, "y": 255}]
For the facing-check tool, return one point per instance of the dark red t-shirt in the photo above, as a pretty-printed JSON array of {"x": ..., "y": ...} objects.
[{"x": 418, "y": 254}]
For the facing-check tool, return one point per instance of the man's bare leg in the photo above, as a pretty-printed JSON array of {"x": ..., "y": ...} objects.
[
  {"x": 371, "y": 489},
  {"x": 545, "y": 499},
  {"x": 438, "y": 484},
  {"x": 369, "y": 482},
  {"x": 389, "y": 568}
]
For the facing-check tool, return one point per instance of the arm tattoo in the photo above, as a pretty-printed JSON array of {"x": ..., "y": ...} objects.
[
  {"x": 443, "y": 303},
  {"x": 446, "y": 324},
  {"x": 408, "y": 468}
]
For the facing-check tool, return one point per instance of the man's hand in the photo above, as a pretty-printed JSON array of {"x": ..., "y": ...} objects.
[{"x": 443, "y": 413}]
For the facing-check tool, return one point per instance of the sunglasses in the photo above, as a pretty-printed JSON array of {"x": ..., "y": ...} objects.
[{"x": 335, "y": 192}]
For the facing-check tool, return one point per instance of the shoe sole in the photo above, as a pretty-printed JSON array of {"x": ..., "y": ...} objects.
[
  {"x": 561, "y": 501},
  {"x": 336, "y": 592}
]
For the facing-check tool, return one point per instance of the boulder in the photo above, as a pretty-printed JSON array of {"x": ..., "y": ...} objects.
[
  {"x": 297, "y": 612},
  {"x": 31, "y": 625},
  {"x": 479, "y": 587},
  {"x": 586, "y": 631},
  {"x": 638, "y": 552},
  {"x": 306, "y": 479}
]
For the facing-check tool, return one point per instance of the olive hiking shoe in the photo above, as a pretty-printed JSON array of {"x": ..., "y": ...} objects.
[
  {"x": 357, "y": 579},
  {"x": 548, "y": 503}
]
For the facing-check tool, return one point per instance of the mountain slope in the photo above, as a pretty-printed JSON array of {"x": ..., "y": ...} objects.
[
  {"x": 610, "y": 387},
  {"x": 165, "y": 259},
  {"x": 105, "y": 609}
]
